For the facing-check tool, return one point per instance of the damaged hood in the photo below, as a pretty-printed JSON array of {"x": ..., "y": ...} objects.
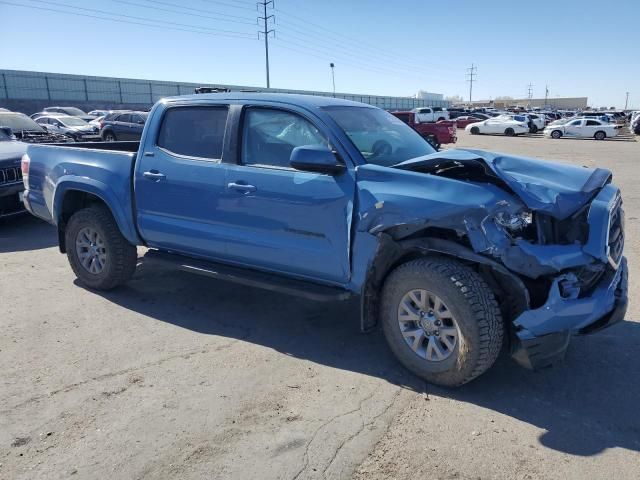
[{"x": 556, "y": 189}]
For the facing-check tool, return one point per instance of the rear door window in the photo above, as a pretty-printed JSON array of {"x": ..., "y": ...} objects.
[
  {"x": 194, "y": 131},
  {"x": 592, "y": 123},
  {"x": 125, "y": 118}
]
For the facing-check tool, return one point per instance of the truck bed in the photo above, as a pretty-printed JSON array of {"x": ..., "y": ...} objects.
[{"x": 102, "y": 169}]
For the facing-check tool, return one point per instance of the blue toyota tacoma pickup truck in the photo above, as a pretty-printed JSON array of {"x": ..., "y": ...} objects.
[{"x": 455, "y": 253}]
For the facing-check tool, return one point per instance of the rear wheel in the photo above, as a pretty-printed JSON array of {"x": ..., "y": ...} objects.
[
  {"x": 441, "y": 320},
  {"x": 600, "y": 135},
  {"x": 509, "y": 132},
  {"x": 556, "y": 134},
  {"x": 99, "y": 255},
  {"x": 475, "y": 130},
  {"x": 110, "y": 137}
]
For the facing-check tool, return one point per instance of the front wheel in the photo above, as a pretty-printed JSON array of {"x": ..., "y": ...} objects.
[
  {"x": 556, "y": 134},
  {"x": 475, "y": 130},
  {"x": 441, "y": 320},
  {"x": 99, "y": 255}
]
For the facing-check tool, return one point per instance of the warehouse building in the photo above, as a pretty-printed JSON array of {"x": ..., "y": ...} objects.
[
  {"x": 556, "y": 103},
  {"x": 30, "y": 92}
]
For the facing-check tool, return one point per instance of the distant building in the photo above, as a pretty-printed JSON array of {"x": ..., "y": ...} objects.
[{"x": 559, "y": 103}]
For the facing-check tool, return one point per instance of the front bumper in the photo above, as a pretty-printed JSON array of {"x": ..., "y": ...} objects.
[{"x": 542, "y": 334}]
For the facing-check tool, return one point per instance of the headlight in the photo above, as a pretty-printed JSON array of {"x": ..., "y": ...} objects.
[{"x": 514, "y": 222}]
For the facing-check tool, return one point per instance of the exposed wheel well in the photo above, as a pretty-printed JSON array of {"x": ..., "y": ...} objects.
[
  {"x": 73, "y": 201},
  {"x": 511, "y": 292}
]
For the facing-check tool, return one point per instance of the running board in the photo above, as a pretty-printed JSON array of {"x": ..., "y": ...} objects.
[{"x": 251, "y": 278}]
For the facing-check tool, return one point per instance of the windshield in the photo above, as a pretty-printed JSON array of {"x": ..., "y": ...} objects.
[
  {"x": 73, "y": 111},
  {"x": 18, "y": 121},
  {"x": 72, "y": 121},
  {"x": 381, "y": 138}
]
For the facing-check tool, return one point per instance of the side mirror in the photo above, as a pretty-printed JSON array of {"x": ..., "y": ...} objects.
[
  {"x": 8, "y": 131},
  {"x": 316, "y": 158}
]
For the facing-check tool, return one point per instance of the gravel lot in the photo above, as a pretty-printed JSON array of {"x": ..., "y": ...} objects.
[{"x": 180, "y": 376}]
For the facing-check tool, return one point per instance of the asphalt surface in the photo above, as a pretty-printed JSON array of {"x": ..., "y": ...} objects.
[{"x": 180, "y": 376}]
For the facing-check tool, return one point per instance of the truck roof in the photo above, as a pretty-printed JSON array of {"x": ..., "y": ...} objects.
[{"x": 309, "y": 101}]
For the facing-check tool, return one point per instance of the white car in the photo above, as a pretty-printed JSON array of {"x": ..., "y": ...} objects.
[
  {"x": 502, "y": 125},
  {"x": 582, "y": 128}
]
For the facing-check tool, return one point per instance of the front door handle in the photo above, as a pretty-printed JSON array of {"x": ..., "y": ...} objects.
[
  {"x": 154, "y": 175},
  {"x": 241, "y": 187}
]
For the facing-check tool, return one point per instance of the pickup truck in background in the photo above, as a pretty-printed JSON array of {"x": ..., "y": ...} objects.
[
  {"x": 430, "y": 114},
  {"x": 455, "y": 253},
  {"x": 435, "y": 133}
]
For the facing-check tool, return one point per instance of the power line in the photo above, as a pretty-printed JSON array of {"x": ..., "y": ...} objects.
[
  {"x": 119, "y": 19},
  {"x": 309, "y": 25},
  {"x": 472, "y": 73},
  {"x": 266, "y": 31},
  {"x": 232, "y": 19}
]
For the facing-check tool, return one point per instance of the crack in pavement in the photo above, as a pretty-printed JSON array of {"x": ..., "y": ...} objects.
[
  {"x": 328, "y": 422},
  {"x": 361, "y": 429}
]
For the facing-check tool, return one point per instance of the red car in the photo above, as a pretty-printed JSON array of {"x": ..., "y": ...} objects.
[
  {"x": 436, "y": 134},
  {"x": 462, "y": 122}
]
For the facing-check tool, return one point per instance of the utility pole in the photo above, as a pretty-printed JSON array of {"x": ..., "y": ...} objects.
[
  {"x": 472, "y": 73},
  {"x": 333, "y": 77},
  {"x": 266, "y": 31},
  {"x": 626, "y": 102},
  {"x": 546, "y": 95},
  {"x": 529, "y": 93}
]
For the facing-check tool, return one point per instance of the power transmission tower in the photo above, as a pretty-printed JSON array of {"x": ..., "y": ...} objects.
[
  {"x": 266, "y": 31},
  {"x": 626, "y": 102},
  {"x": 530, "y": 93},
  {"x": 546, "y": 95},
  {"x": 472, "y": 73}
]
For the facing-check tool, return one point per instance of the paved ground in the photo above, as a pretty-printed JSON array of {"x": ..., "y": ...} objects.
[{"x": 179, "y": 376}]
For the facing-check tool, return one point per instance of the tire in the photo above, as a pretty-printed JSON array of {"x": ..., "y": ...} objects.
[
  {"x": 441, "y": 119},
  {"x": 118, "y": 257},
  {"x": 600, "y": 135},
  {"x": 509, "y": 132},
  {"x": 110, "y": 137},
  {"x": 470, "y": 302},
  {"x": 556, "y": 134},
  {"x": 474, "y": 130}
]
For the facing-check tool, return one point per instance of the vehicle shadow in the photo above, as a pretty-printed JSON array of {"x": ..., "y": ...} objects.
[
  {"x": 586, "y": 404},
  {"x": 26, "y": 232}
]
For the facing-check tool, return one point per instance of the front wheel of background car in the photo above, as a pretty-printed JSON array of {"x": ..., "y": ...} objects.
[
  {"x": 600, "y": 136},
  {"x": 509, "y": 132},
  {"x": 99, "y": 255},
  {"x": 441, "y": 320},
  {"x": 556, "y": 134},
  {"x": 475, "y": 130},
  {"x": 110, "y": 137}
]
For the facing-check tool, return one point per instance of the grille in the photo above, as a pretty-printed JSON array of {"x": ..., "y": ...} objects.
[
  {"x": 10, "y": 175},
  {"x": 615, "y": 241}
]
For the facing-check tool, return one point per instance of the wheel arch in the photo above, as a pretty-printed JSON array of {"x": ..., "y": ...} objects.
[
  {"x": 392, "y": 253},
  {"x": 71, "y": 196}
]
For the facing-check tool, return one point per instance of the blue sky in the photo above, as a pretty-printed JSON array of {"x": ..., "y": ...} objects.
[{"x": 577, "y": 48}]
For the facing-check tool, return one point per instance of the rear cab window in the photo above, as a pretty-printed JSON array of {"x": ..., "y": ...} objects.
[{"x": 194, "y": 131}]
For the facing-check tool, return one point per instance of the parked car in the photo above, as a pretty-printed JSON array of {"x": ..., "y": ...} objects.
[
  {"x": 453, "y": 252},
  {"x": 26, "y": 130},
  {"x": 118, "y": 126},
  {"x": 435, "y": 133},
  {"x": 499, "y": 125},
  {"x": 4, "y": 110},
  {"x": 70, "y": 111},
  {"x": 98, "y": 113},
  {"x": 430, "y": 114},
  {"x": 582, "y": 128},
  {"x": 462, "y": 122},
  {"x": 74, "y": 127},
  {"x": 11, "y": 185}
]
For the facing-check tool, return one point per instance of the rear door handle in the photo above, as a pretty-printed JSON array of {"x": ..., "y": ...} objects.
[
  {"x": 154, "y": 175},
  {"x": 241, "y": 187}
]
